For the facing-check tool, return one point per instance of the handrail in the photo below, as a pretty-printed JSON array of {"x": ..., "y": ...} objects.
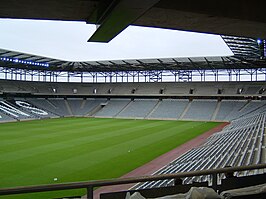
[{"x": 89, "y": 185}]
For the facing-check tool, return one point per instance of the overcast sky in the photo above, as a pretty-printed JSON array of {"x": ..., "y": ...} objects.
[{"x": 68, "y": 41}]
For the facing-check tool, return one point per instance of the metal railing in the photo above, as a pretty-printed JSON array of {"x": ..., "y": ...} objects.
[{"x": 90, "y": 185}]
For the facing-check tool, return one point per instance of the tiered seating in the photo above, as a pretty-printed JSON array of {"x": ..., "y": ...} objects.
[
  {"x": 252, "y": 107},
  {"x": 113, "y": 107},
  {"x": 44, "y": 104},
  {"x": 237, "y": 109},
  {"x": 5, "y": 118},
  {"x": 240, "y": 143},
  {"x": 89, "y": 105},
  {"x": 75, "y": 105},
  {"x": 13, "y": 111},
  {"x": 201, "y": 110},
  {"x": 58, "y": 107},
  {"x": 170, "y": 109},
  {"x": 19, "y": 109},
  {"x": 139, "y": 108},
  {"x": 55, "y": 106},
  {"x": 228, "y": 108}
]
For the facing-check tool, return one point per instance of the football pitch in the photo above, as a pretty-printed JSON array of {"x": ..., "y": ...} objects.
[{"x": 81, "y": 149}]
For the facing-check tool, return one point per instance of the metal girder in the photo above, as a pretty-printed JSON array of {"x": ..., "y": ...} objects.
[
  {"x": 117, "y": 16},
  {"x": 188, "y": 63},
  {"x": 243, "y": 47}
]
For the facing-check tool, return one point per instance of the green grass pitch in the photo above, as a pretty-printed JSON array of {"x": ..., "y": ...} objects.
[{"x": 82, "y": 149}]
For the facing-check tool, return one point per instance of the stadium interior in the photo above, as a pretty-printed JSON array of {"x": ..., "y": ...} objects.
[{"x": 223, "y": 89}]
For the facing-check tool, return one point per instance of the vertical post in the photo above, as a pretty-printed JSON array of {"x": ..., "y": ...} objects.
[
  {"x": 214, "y": 181},
  {"x": 90, "y": 192},
  {"x": 25, "y": 75},
  {"x": 6, "y": 74}
]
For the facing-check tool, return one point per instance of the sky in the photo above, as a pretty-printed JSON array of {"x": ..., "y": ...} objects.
[{"x": 68, "y": 41}]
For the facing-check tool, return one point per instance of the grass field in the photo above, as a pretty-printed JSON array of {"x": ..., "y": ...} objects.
[{"x": 82, "y": 149}]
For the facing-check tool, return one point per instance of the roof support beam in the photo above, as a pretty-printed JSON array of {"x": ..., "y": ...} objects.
[{"x": 119, "y": 14}]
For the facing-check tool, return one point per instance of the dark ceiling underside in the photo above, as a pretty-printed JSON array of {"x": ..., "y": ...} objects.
[{"x": 229, "y": 17}]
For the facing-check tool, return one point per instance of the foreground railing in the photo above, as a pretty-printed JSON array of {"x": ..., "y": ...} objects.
[{"x": 100, "y": 183}]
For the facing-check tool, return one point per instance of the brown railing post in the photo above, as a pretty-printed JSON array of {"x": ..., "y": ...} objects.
[
  {"x": 90, "y": 192},
  {"x": 214, "y": 181}
]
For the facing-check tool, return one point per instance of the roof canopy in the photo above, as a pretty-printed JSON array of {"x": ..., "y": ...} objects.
[
  {"x": 32, "y": 62},
  {"x": 248, "y": 53}
]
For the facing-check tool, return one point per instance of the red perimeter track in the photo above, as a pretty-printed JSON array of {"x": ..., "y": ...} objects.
[{"x": 160, "y": 162}]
